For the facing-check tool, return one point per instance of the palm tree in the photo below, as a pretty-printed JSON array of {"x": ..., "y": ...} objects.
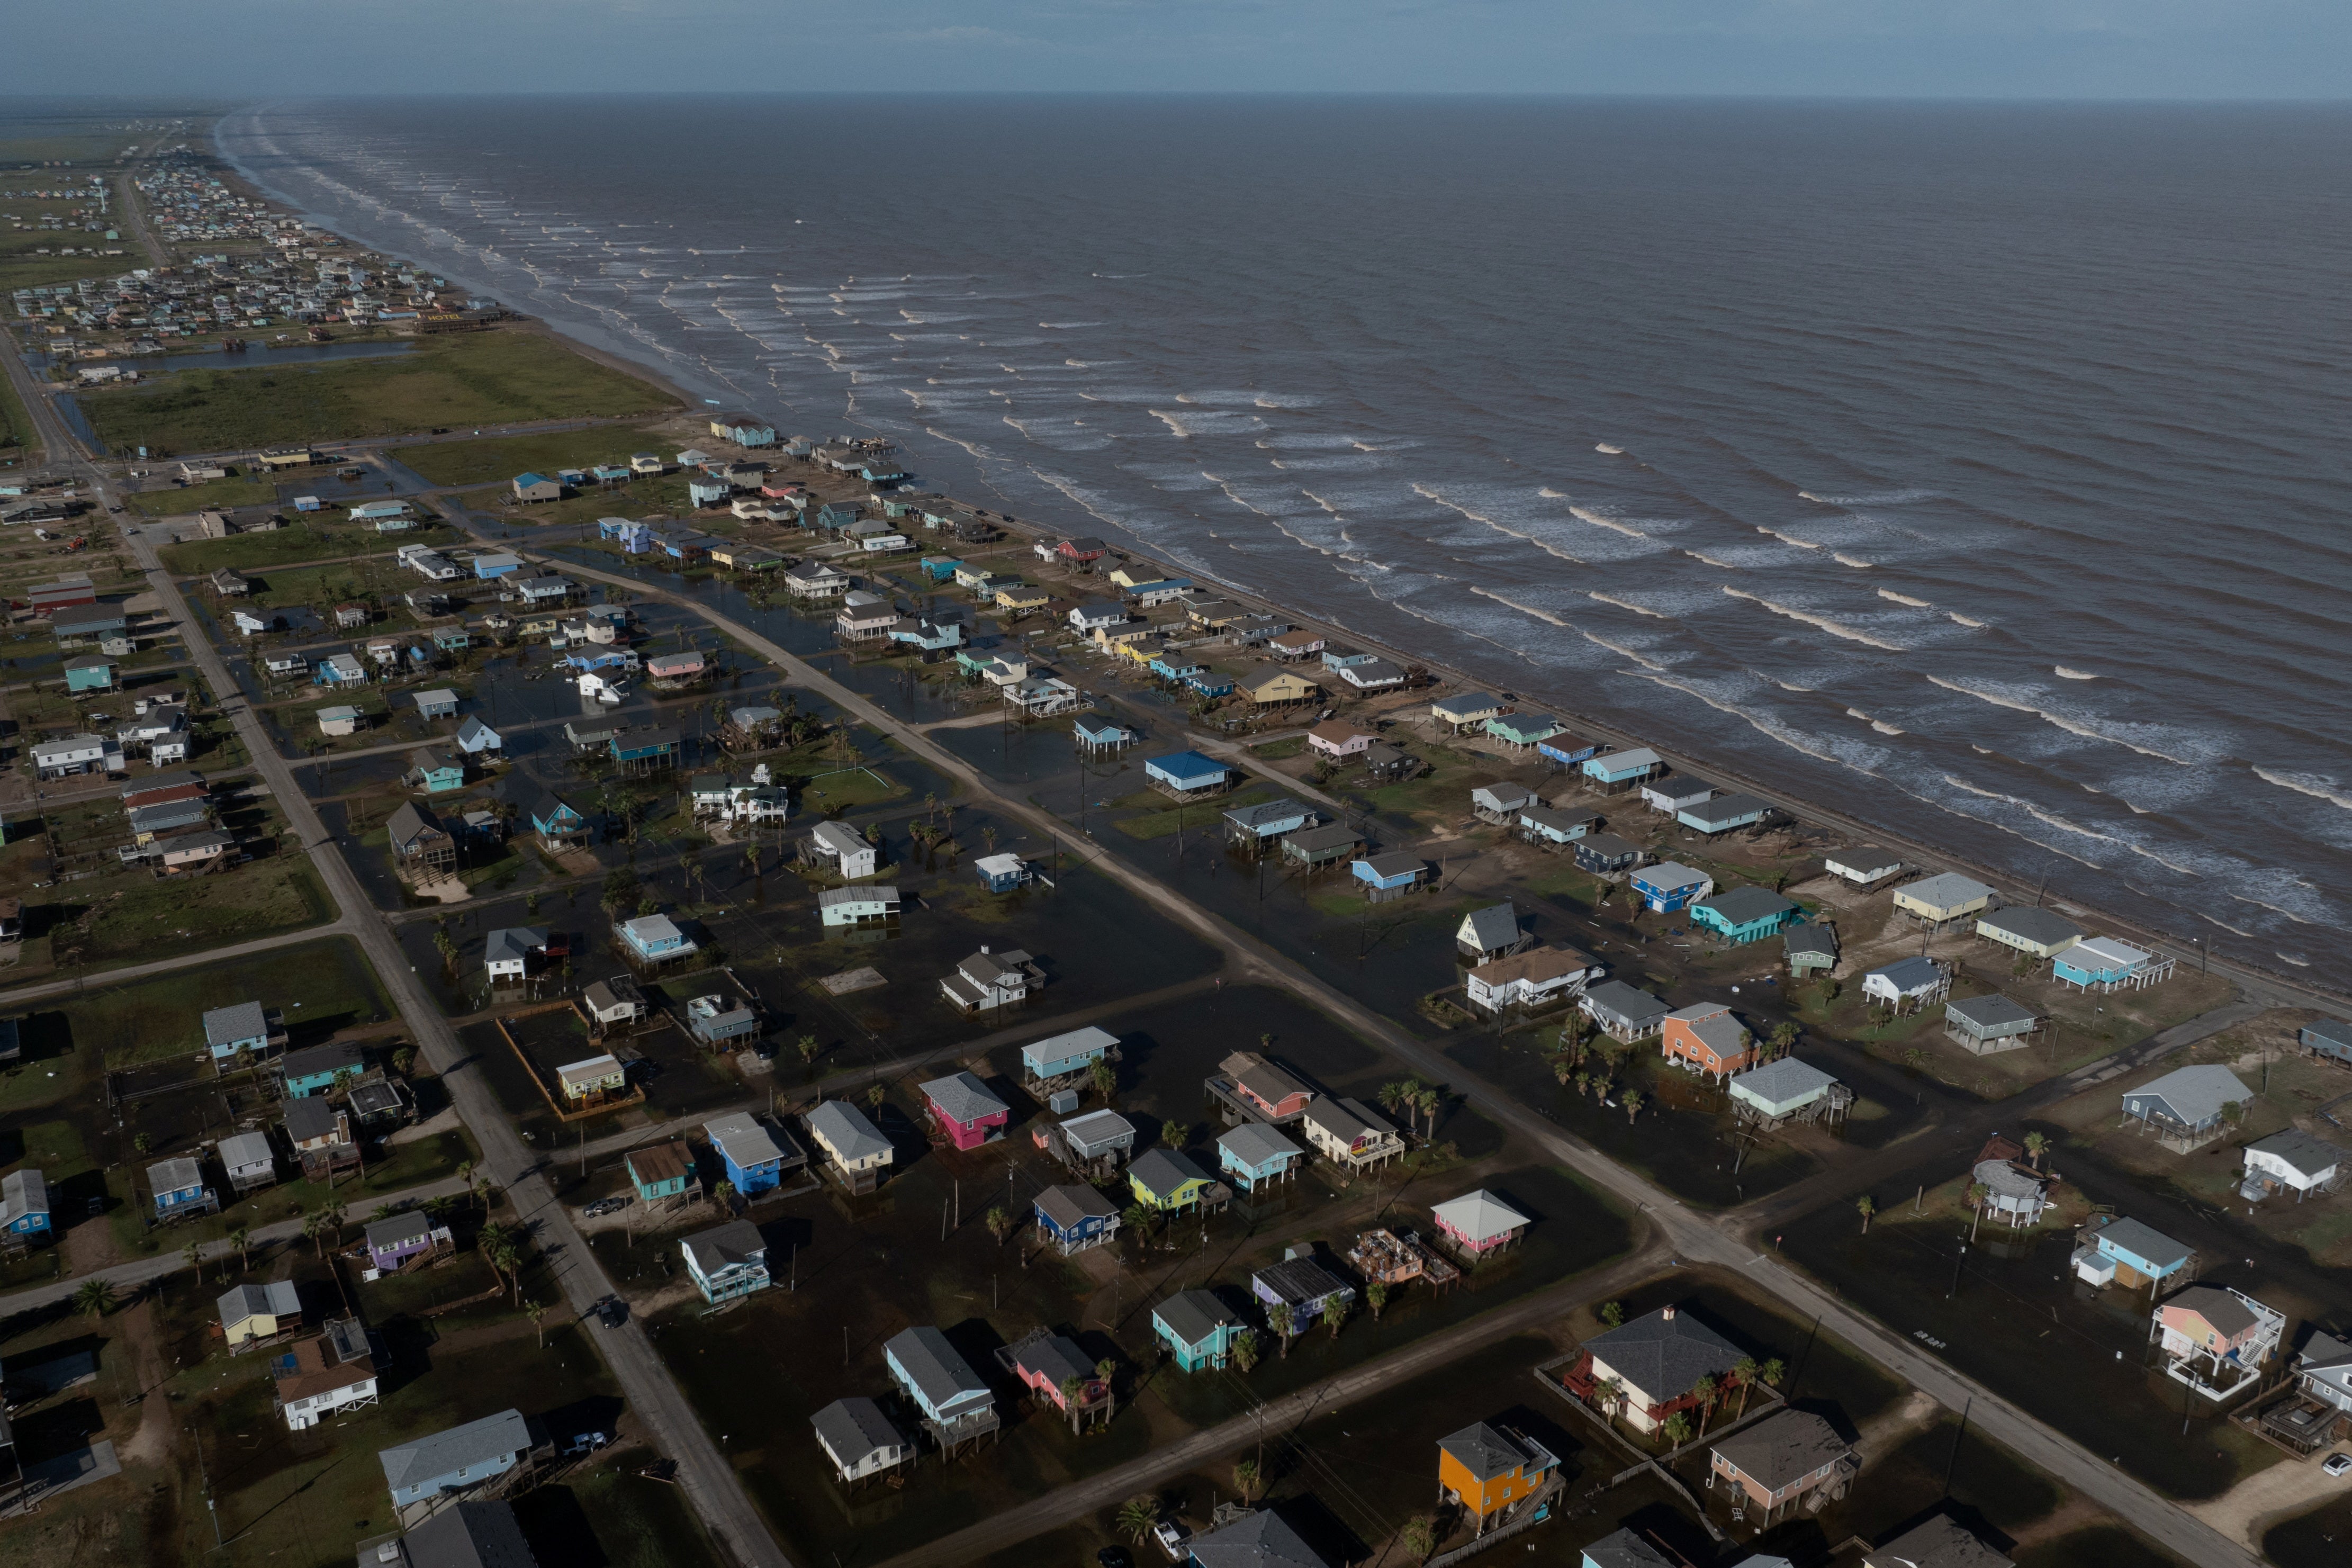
[
  {"x": 1707, "y": 1390},
  {"x": 333, "y": 1216},
  {"x": 1678, "y": 1429},
  {"x": 1391, "y": 1095},
  {"x": 2035, "y": 1143},
  {"x": 510, "y": 1259},
  {"x": 241, "y": 1238},
  {"x": 1784, "y": 1038},
  {"x": 1744, "y": 1374},
  {"x": 1277, "y": 1318},
  {"x": 1978, "y": 1193},
  {"x": 1335, "y": 1314},
  {"x": 192, "y": 1255},
  {"x": 1376, "y": 1296},
  {"x": 94, "y": 1297},
  {"x": 875, "y": 1096},
  {"x": 466, "y": 1175},
  {"x": 1632, "y": 1103},
  {"x": 1772, "y": 1371},
  {"x": 1611, "y": 1394},
  {"x": 1000, "y": 1224},
  {"x": 537, "y": 1312},
  {"x": 1105, "y": 1077},
  {"x": 723, "y": 1194},
  {"x": 1138, "y": 1517},
  {"x": 1246, "y": 1480},
  {"x": 1245, "y": 1350},
  {"x": 807, "y": 1045},
  {"x": 143, "y": 1143},
  {"x": 1865, "y": 1205},
  {"x": 1138, "y": 1219}
]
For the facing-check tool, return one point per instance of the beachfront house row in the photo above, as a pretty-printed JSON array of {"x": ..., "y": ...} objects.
[
  {"x": 1535, "y": 978},
  {"x": 1671, "y": 793},
  {"x": 1746, "y": 914},
  {"x": 2036, "y": 932},
  {"x": 1669, "y": 887},
  {"x": 1723, "y": 813},
  {"x": 856, "y": 1152},
  {"x": 459, "y": 1459},
  {"x": 2292, "y": 1161},
  {"x": 2103, "y": 964},
  {"x": 2189, "y": 1105},
  {"x": 1479, "y": 1223},
  {"x": 1622, "y": 1011},
  {"x": 1706, "y": 1037},
  {"x": 754, "y": 1154},
  {"x": 1937, "y": 901},
  {"x": 728, "y": 1261},
  {"x": 1074, "y": 1216},
  {"x": 1623, "y": 769},
  {"x": 964, "y": 1112},
  {"x": 1198, "y": 1328},
  {"x": 860, "y": 1439},
  {"x": 1465, "y": 708},
  {"x": 1865, "y": 866},
  {"x": 1487, "y": 1471}
]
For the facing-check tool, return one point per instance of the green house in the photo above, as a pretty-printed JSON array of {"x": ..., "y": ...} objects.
[
  {"x": 1168, "y": 1181},
  {"x": 662, "y": 1171},
  {"x": 1198, "y": 1330},
  {"x": 89, "y": 672}
]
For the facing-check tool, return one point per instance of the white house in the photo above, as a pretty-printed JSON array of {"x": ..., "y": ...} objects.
[
  {"x": 1530, "y": 979},
  {"x": 2293, "y": 1162},
  {"x": 859, "y": 1438},
  {"x": 988, "y": 979},
  {"x": 850, "y": 856},
  {"x": 321, "y": 1376}
]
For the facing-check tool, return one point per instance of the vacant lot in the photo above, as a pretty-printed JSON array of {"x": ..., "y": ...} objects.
[
  {"x": 477, "y": 379},
  {"x": 316, "y": 986},
  {"x": 302, "y": 542},
  {"x": 504, "y": 457}
]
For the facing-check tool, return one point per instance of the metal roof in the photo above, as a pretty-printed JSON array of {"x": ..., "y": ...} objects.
[
  {"x": 1669, "y": 876},
  {"x": 459, "y": 1448},
  {"x": 1944, "y": 892},
  {"x": 2195, "y": 1094},
  {"x": 2025, "y": 922},
  {"x": 239, "y": 1021},
  {"x": 1163, "y": 1171},
  {"x": 932, "y": 1365},
  {"x": 741, "y": 1137},
  {"x": 854, "y": 1430},
  {"x": 964, "y": 1097},
  {"x": 1993, "y": 1012},
  {"x": 1809, "y": 938},
  {"x": 172, "y": 1175},
  {"x": 2144, "y": 1242},
  {"x": 1634, "y": 1006},
  {"x": 1253, "y": 1144},
  {"x": 277, "y": 1299},
  {"x": 1479, "y": 1215},
  {"x": 1496, "y": 926},
  {"x": 1908, "y": 974},
  {"x": 850, "y": 1134},
  {"x": 2309, "y": 1155},
  {"x": 1779, "y": 1083},
  {"x": 1062, "y": 1046},
  {"x": 1072, "y": 1203},
  {"x": 243, "y": 1148}
]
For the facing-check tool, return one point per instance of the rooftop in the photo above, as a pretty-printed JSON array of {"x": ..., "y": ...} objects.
[
  {"x": 1479, "y": 1215},
  {"x": 1663, "y": 1353}
]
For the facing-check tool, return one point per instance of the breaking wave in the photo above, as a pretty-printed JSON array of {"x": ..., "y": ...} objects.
[{"x": 1834, "y": 628}]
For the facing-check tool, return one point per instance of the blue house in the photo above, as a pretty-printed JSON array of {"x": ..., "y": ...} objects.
[
  {"x": 1198, "y": 1330},
  {"x": 755, "y": 1157},
  {"x": 1185, "y": 774},
  {"x": 744, "y": 430},
  {"x": 24, "y": 1203},
  {"x": 646, "y": 748},
  {"x": 452, "y": 639},
  {"x": 1064, "y": 1054},
  {"x": 1552, "y": 825},
  {"x": 835, "y": 515},
  {"x": 1263, "y": 825},
  {"x": 498, "y": 563},
  {"x": 655, "y": 938},
  {"x": 2103, "y": 964},
  {"x": 1211, "y": 685},
  {"x": 457, "y": 1460},
  {"x": 1523, "y": 729},
  {"x": 941, "y": 1382},
  {"x": 2330, "y": 1037},
  {"x": 1746, "y": 914},
  {"x": 1566, "y": 749},
  {"x": 931, "y": 636},
  {"x": 179, "y": 1188},
  {"x": 707, "y": 490},
  {"x": 438, "y": 703},
  {"x": 1074, "y": 1217},
  {"x": 1667, "y": 887},
  {"x": 557, "y": 823},
  {"x": 434, "y": 770},
  {"x": 1002, "y": 873},
  {"x": 1102, "y": 734},
  {"x": 1396, "y": 871},
  {"x": 1624, "y": 767},
  {"x": 1174, "y": 666},
  {"x": 241, "y": 1026},
  {"x": 1254, "y": 1155},
  {"x": 2137, "y": 1254},
  {"x": 312, "y": 1069},
  {"x": 939, "y": 568}
]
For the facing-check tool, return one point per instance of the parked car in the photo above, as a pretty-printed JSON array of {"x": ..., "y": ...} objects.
[
  {"x": 603, "y": 1206},
  {"x": 2338, "y": 1464},
  {"x": 587, "y": 1442},
  {"x": 1171, "y": 1538},
  {"x": 1115, "y": 1557}
]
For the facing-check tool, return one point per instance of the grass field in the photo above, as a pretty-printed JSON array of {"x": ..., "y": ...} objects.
[
  {"x": 473, "y": 379},
  {"x": 301, "y": 542},
  {"x": 240, "y": 489},
  {"x": 146, "y": 918},
  {"x": 504, "y": 457},
  {"x": 160, "y": 1018},
  {"x": 15, "y": 425},
  {"x": 25, "y": 270}
]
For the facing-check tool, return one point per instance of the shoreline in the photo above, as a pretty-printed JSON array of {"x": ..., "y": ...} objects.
[{"x": 2285, "y": 989}]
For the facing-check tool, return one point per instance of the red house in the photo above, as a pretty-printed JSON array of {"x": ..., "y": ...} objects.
[
  {"x": 776, "y": 489},
  {"x": 1048, "y": 1363},
  {"x": 1080, "y": 551},
  {"x": 1275, "y": 1094},
  {"x": 966, "y": 1114}
]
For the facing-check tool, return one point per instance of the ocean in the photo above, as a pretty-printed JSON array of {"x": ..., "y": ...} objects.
[{"x": 1978, "y": 470}]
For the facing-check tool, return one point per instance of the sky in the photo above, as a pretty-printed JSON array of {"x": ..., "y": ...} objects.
[{"x": 1899, "y": 49}]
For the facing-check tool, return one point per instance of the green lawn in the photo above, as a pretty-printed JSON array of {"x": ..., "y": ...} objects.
[
  {"x": 25, "y": 270},
  {"x": 238, "y": 489},
  {"x": 475, "y": 378},
  {"x": 15, "y": 425},
  {"x": 161, "y": 1017},
  {"x": 144, "y": 917},
  {"x": 504, "y": 457},
  {"x": 301, "y": 542}
]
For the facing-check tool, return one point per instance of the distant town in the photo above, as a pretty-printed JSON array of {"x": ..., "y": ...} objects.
[{"x": 526, "y": 894}]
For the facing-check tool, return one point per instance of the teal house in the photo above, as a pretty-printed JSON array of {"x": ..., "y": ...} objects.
[
  {"x": 1255, "y": 1155},
  {"x": 1746, "y": 914},
  {"x": 1198, "y": 1330},
  {"x": 662, "y": 1171},
  {"x": 435, "y": 770},
  {"x": 90, "y": 672},
  {"x": 1523, "y": 729}
]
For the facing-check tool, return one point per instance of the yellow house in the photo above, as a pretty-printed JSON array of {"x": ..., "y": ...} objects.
[
  {"x": 1134, "y": 634},
  {"x": 1941, "y": 899},
  {"x": 1268, "y": 683},
  {"x": 1142, "y": 650},
  {"x": 259, "y": 1311},
  {"x": 1135, "y": 573},
  {"x": 596, "y": 1076},
  {"x": 1021, "y": 598}
]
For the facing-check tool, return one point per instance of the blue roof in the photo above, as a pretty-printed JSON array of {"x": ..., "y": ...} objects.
[
  {"x": 1185, "y": 764},
  {"x": 529, "y": 479}
]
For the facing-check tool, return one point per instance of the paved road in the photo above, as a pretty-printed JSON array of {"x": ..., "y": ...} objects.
[
  {"x": 1718, "y": 1240},
  {"x": 709, "y": 1482},
  {"x": 137, "y": 1272},
  {"x": 1081, "y": 1500}
]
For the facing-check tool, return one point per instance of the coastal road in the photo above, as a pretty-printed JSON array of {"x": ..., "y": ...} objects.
[
  {"x": 709, "y": 1483},
  {"x": 1720, "y": 1241}
]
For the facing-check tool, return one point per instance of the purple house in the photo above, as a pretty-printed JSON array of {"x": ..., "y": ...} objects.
[{"x": 393, "y": 1242}]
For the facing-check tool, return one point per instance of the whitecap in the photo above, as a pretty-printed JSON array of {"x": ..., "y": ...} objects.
[
  {"x": 1884, "y": 728},
  {"x": 1834, "y": 628},
  {"x": 1964, "y": 620},
  {"x": 1625, "y": 604},
  {"x": 1612, "y": 451},
  {"x": 2319, "y": 787},
  {"x": 1710, "y": 560},
  {"x": 2065, "y": 673},
  {"x": 1786, "y": 539},
  {"x": 1905, "y": 599},
  {"x": 2298, "y": 962},
  {"x": 1854, "y": 561}
]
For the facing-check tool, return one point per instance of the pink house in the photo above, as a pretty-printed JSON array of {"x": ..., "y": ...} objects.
[
  {"x": 1479, "y": 1223},
  {"x": 1047, "y": 1363},
  {"x": 1337, "y": 738},
  {"x": 964, "y": 1112},
  {"x": 674, "y": 666}
]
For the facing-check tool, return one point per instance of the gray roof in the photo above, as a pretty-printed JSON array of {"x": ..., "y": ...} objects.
[
  {"x": 398, "y": 1230},
  {"x": 277, "y": 1299},
  {"x": 1809, "y": 938},
  {"x": 1742, "y": 905},
  {"x": 1075, "y": 1203},
  {"x": 1257, "y": 816},
  {"x": 308, "y": 1116},
  {"x": 490, "y": 1437},
  {"x": 1055, "y": 1355},
  {"x": 841, "y": 1125},
  {"x": 239, "y": 1021},
  {"x": 854, "y": 1429},
  {"x": 470, "y": 1535},
  {"x": 724, "y": 1246},
  {"x": 2039, "y": 926},
  {"x": 744, "y": 1139},
  {"x": 2004, "y": 1180},
  {"x": 924, "y": 1355},
  {"x": 867, "y": 893},
  {"x": 1485, "y": 1452},
  {"x": 1625, "y": 1550},
  {"x": 1504, "y": 796},
  {"x": 1728, "y": 808},
  {"x": 22, "y": 1192},
  {"x": 841, "y": 840},
  {"x": 334, "y": 1057},
  {"x": 1939, "y": 1543},
  {"x": 963, "y": 1097},
  {"x": 1299, "y": 1280},
  {"x": 1607, "y": 846},
  {"x": 1394, "y": 863},
  {"x": 1330, "y": 835},
  {"x": 1662, "y": 1356},
  {"x": 2144, "y": 1242},
  {"x": 1253, "y": 1144},
  {"x": 1165, "y": 1170},
  {"x": 1908, "y": 974},
  {"x": 1625, "y": 1001},
  {"x": 242, "y": 1149},
  {"x": 2196, "y": 1094},
  {"x": 1784, "y": 1448},
  {"x": 2299, "y": 1149},
  {"x": 1098, "y": 1128},
  {"x": 171, "y": 1175},
  {"x": 1943, "y": 892},
  {"x": 513, "y": 941},
  {"x": 1783, "y": 1080},
  {"x": 1493, "y": 927},
  {"x": 1993, "y": 1012},
  {"x": 1260, "y": 1540},
  {"x": 1193, "y": 1315}
]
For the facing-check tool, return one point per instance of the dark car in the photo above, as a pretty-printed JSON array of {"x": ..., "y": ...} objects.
[
  {"x": 1115, "y": 1557},
  {"x": 611, "y": 1311},
  {"x": 603, "y": 1206}
]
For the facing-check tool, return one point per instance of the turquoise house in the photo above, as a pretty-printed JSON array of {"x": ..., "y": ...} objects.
[
  {"x": 1623, "y": 768},
  {"x": 452, "y": 639},
  {"x": 662, "y": 1171},
  {"x": 1523, "y": 728},
  {"x": 436, "y": 771},
  {"x": 89, "y": 672},
  {"x": 1197, "y": 1328},
  {"x": 1254, "y": 1155},
  {"x": 1746, "y": 914}
]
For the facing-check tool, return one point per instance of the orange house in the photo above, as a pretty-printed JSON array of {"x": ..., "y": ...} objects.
[
  {"x": 1704, "y": 1038},
  {"x": 1489, "y": 1471}
]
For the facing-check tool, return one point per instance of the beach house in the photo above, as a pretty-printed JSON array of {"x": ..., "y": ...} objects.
[
  {"x": 2103, "y": 964},
  {"x": 2292, "y": 1161},
  {"x": 1723, "y": 813},
  {"x": 1064, "y": 1055},
  {"x": 1865, "y": 866},
  {"x": 839, "y": 850},
  {"x": 25, "y": 1205},
  {"x": 728, "y": 1261},
  {"x": 1777, "y": 1090},
  {"x": 1254, "y": 1155},
  {"x": 1184, "y": 774},
  {"x": 2233, "y": 1335},
  {"x": 1655, "y": 1360},
  {"x": 2188, "y": 1107},
  {"x": 1605, "y": 854},
  {"x": 179, "y": 1190},
  {"x": 1348, "y": 1133},
  {"x": 1780, "y": 1461},
  {"x": 2129, "y": 1253},
  {"x": 240, "y": 1026},
  {"x": 1809, "y": 948},
  {"x": 393, "y": 1241},
  {"x": 1198, "y": 1328},
  {"x": 459, "y": 1459},
  {"x": 1706, "y": 1037},
  {"x": 1622, "y": 1011},
  {"x": 1535, "y": 978},
  {"x": 1669, "y": 886},
  {"x": 2037, "y": 932},
  {"x": 1381, "y": 877},
  {"x": 987, "y": 981},
  {"x": 1465, "y": 708},
  {"x": 1989, "y": 1023},
  {"x": 1746, "y": 914},
  {"x": 1490, "y": 934},
  {"x": 654, "y": 939},
  {"x": 856, "y": 1152},
  {"x": 1670, "y": 792},
  {"x": 1165, "y": 1180},
  {"x": 860, "y": 1439},
  {"x": 1623, "y": 769},
  {"x": 953, "y": 1398},
  {"x": 251, "y": 1313},
  {"x": 964, "y": 1110},
  {"x": 1937, "y": 901},
  {"x": 1074, "y": 1216},
  {"x": 754, "y": 1155},
  {"x": 1908, "y": 984},
  {"x": 1479, "y": 1223},
  {"x": 662, "y": 1172},
  {"x": 331, "y": 1373}
]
